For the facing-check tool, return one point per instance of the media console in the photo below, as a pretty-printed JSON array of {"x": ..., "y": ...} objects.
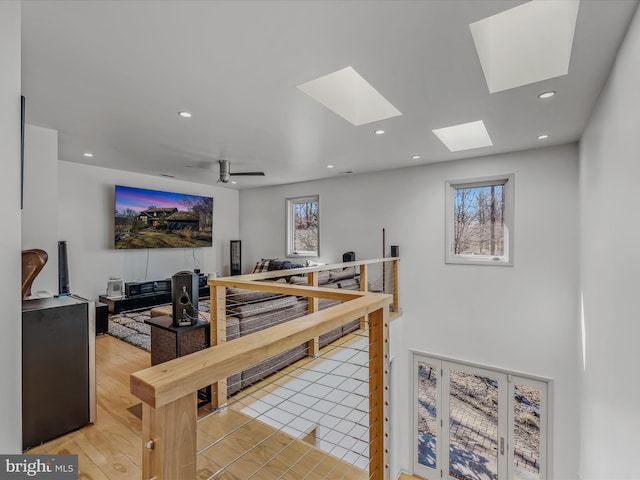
[
  {"x": 141, "y": 295},
  {"x": 140, "y": 302}
]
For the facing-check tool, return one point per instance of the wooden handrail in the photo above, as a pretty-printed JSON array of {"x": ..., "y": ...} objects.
[
  {"x": 289, "y": 289},
  {"x": 319, "y": 268},
  {"x": 362, "y": 265},
  {"x": 167, "y": 382}
]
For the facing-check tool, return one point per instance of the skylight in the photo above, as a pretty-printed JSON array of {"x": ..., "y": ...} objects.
[
  {"x": 526, "y": 44},
  {"x": 466, "y": 136},
  {"x": 349, "y": 95}
]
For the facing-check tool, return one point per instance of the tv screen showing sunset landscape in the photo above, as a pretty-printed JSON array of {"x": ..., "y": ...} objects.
[{"x": 157, "y": 219}]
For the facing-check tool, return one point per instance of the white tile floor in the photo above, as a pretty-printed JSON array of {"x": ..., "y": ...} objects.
[{"x": 331, "y": 397}]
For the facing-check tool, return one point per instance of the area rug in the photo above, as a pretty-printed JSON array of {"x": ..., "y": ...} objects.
[{"x": 130, "y": 327}]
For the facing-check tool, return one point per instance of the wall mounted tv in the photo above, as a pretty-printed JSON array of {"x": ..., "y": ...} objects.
[{"x": 156, "y": 219}]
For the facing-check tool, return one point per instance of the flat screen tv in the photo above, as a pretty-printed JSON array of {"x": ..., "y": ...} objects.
[{"x": 156, "y": 219}]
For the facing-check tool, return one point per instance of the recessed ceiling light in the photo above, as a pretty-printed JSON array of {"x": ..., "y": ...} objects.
[
  {"x": 329, "y": 166},
  {"x": 544, "y": 136},
  {"x": 349, "y": 95},
  {"x": 88, "y": 154},
  {"x": 548, "y": 94},
  {"x": 465, "y": 136},
  {"x": 379, "y": 132},
  {"x": 415, "y": 157},
  {"x": 184, "y": 114},
  {"x": 233, "y": 182}
]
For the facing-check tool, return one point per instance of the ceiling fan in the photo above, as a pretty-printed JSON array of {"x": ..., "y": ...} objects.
[{"x": 225, "y": 173}]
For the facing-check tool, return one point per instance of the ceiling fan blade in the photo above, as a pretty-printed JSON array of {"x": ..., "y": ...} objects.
[{"x": 246, "y": 174}]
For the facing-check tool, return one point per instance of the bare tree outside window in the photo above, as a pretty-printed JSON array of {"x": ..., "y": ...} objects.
[
  {"x": 480, "y": 221},
  {"x": 303, "y": 226}
]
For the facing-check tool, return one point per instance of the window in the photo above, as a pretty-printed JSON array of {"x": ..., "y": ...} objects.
[
  {"x": 303, "y": 226},
  {"x": 479, "y": 216}
]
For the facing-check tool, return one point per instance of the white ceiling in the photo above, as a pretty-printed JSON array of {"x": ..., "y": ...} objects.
[{"x": 111, "y": 76}]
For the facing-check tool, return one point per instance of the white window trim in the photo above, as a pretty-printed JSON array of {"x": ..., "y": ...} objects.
[
  {"x": 290, "y": 228},
  {"x": 505, "y": 260}
]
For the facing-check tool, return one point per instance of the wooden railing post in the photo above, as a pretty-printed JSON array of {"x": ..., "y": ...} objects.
[
  {"x": 364, "y": 282},
  {"x": 169, "y": 440},
  {"x": 396, "y": 302},
  {"x": 314, "y": 343},
  {"x": 379, "y": 394},
  {"x": 217, "y": 336}
]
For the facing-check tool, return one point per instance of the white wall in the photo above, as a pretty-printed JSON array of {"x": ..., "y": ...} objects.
[
  {"x": 532, "y": 328},
  {"x": 610, "y": 234},
  {"x": 85, "y": 221},
  {"x": 40, "y": 212},
  {"x": 11, "y": 337},
  {"x": 75, "y": 203}
]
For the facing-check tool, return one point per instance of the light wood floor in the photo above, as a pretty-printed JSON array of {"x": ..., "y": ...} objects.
[
  {"x": 111, "y": 448},
  {"x": 404, "y": 476}
]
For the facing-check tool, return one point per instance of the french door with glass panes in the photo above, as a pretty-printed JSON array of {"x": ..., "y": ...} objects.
[{"x": 472, "y": 423}]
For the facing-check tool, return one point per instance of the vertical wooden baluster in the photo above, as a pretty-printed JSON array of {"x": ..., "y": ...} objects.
[
  {"x": 312, "y": 281},
  {"x": 218, "y": 335},
  {"x": 169, "y": 440},
  {"x": 364, "y": 282},
  {"x": 396, "y": 302}
]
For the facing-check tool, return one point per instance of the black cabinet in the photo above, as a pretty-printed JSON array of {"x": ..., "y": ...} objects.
[
  {"x": 58, "y": 367},
  {"x": 169, "y": 342}
]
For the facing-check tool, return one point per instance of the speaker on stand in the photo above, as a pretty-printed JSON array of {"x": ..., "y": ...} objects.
[
  {"x": 63, "y": 269},
  {"x": 348, "y": 257},
  {"x": 184, "y": 296},
  {"x": 236, "y": 257}
]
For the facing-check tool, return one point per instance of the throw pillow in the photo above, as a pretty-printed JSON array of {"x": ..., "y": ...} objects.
[{"x": 262, "y": 266}]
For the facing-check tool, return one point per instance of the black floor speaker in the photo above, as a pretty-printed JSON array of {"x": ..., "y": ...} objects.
[
  {"x": 63, "y": 269},
  {"x": 184, "y": 296},
  {"x": 102, "y": 318},
  {"x": 236, "y": 257}
]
